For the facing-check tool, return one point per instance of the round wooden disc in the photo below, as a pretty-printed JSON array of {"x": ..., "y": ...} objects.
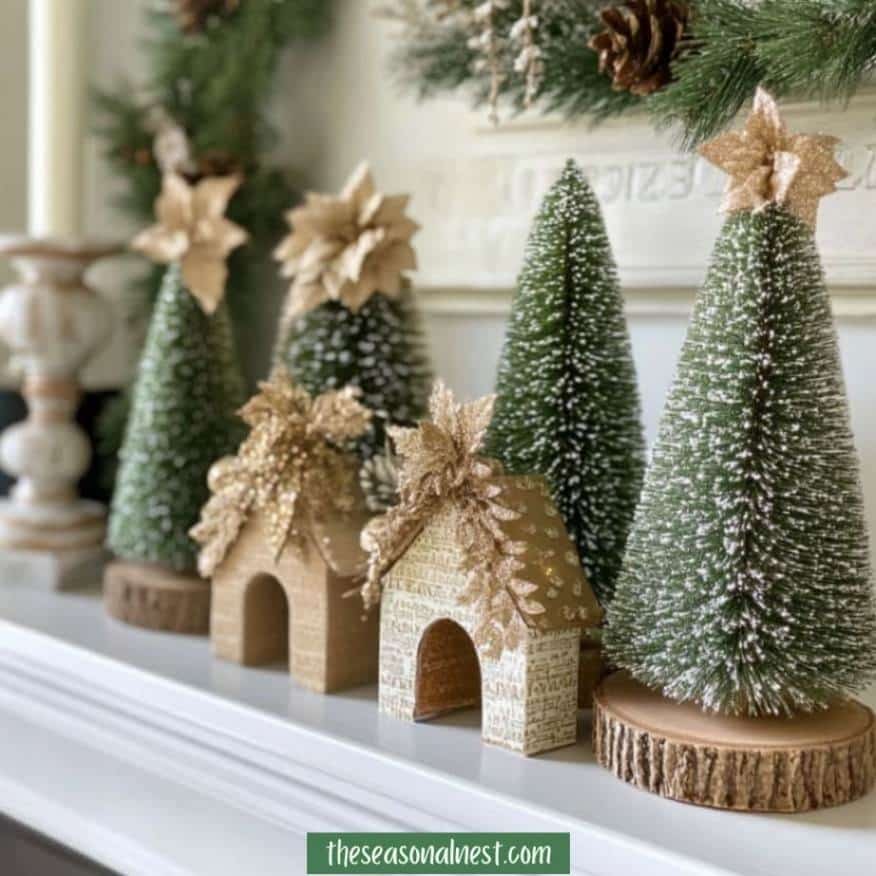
[
  {"x": 157, "y": 598},
  {"x": 678, "y": 751}
]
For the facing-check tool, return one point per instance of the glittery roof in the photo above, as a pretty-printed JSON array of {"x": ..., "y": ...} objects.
[{"x": 550, "y": 562}]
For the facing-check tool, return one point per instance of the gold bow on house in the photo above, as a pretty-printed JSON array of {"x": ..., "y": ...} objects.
[
  {"x": 290, "y": 468},
  {"x": 346, "y": 248},
  {"x": 439, "y": 465},
  {"x": 768, "y": 165},
  {"x": 192, "y": 230}
]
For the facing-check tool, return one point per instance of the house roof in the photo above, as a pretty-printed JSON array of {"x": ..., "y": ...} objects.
[
  {"x": 550, "y": 561},
  {"x": 335, "y": 542}
]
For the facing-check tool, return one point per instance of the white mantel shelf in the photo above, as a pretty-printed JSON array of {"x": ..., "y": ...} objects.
[{"x": 141, "y": 751}]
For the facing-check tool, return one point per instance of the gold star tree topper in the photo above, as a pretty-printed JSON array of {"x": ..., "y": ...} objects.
[
  {"x": 347, "y": 247},
  {"x": 192, "y": 230},
  {"x": 769, "y": 165}
]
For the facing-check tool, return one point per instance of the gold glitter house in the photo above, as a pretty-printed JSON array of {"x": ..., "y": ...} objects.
[
  {"x": 279, "y": 538},
  {"x": 429, "y": 665}
]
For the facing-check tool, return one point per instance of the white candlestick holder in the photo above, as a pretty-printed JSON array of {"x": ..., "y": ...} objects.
[{"x": 53, "y": 323}]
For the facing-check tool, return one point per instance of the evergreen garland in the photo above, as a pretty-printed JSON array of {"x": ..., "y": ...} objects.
[
  {"x": 215, "y": 85},
  {"x": 568, "y": 404},
  {"x": 747, "y": 586},
  {"x": 813, "y": 48},
  {"x": 182, "y": 420},
  {"x": 379, "y": 349}
]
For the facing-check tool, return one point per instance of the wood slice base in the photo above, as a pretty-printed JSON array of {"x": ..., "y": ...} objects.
[
  {"x": 676, "y": 750},
  {"x": 157, "y": 598}
]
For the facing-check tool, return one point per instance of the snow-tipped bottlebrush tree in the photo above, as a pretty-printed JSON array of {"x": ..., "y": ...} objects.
[
  {"x": 188, "y": 387},
  {"x": 747, "y": 585},
  {"x": 568, "y": 403},
  {"x": 350, "y": 317}
]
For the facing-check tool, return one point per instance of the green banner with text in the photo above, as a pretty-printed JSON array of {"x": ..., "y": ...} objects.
[{"x": 438, "y": 853}]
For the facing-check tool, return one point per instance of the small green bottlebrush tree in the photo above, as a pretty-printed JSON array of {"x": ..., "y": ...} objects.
[
  {"x": 379, "y": 349},
  {"x": 188, "y": 386},
  {"x": 747, "y": 586},
  {"x": 568, "y": 403},
  {"x": 182, "y": 420},
  {"x": 351, "y": 318}
]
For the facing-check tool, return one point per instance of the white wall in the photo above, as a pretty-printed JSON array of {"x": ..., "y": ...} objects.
[{"x": 13, "y": 112}]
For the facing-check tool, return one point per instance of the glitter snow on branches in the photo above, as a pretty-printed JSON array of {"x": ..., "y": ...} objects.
[{"x": 747, "y": 586}]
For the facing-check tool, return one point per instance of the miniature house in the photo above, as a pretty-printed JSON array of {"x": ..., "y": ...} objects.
[
  {"x": 297, "y": 607},
  {"x": 428, "y": 662}
]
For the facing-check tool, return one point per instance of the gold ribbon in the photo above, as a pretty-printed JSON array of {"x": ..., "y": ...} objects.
[
  {"x": 440, "y": 465},
  {"x": 290, "y": 468},
  {"x": 192, "y": 230},
  {"x": 346, "y": 248},
  {"x": 768, "y": 165}
]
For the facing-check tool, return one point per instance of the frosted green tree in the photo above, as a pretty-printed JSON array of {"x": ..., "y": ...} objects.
[
  {"x": 568, "y": 404},
  {"x": 188, "y": 386},
  {"x": 379, "y": 349},
  {"x": 182, "y": 420},
  {"x": 350, "y": 316},
  {"x": 747, "y": 586}
]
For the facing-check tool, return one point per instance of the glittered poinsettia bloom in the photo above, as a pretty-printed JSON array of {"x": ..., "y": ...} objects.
[
  {"x": 440, "y": 456},
  {"x": 193, "y": 231},
  {"x": 768, "y": 165},
  {"x": 440, "y": 463},
  {"x": 347, "y": 247},
  {"x": 290, "y": 468}
]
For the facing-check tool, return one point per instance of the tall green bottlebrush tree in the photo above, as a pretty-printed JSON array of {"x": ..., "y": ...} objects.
[
  {"x": 568, "y": 403},
  {"x": 351, "y": 318},
  {"x": 747, "y": 585},
  {"x": 183, "y": 418}
]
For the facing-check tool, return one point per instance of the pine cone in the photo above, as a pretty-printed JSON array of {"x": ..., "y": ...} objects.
[
  {"x": 193, "y": 15},
  {"x": 639, "y": 43}
]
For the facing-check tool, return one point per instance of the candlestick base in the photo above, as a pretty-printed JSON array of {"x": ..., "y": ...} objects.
[
  {"x": 53, "y": 322},
  {"x": 52, "y": 547}
]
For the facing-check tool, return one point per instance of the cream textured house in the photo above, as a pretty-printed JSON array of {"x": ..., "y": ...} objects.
[
  {"x": 294, "y": 607},
  {"x": 428, "y": 662}
]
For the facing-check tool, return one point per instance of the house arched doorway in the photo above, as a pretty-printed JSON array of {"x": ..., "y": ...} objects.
[
  {"x": 265, "y": 622},
  {"x": 448, "y": 671}
]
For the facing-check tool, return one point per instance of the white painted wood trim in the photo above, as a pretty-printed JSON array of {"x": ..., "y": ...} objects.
[
  {"x": 139, "y": 750},
  {"x": 272, "y": 772}
]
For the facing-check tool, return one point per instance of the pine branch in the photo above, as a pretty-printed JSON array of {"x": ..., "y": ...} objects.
[
  {"x": 817, "y": 48},
  {"x": 813, "y": 48},
  {"x": 717, "y": 72}
]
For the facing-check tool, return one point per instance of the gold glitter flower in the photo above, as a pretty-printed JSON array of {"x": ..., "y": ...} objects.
[
  {"x": 290, "y": 467},
  {"x": 440, "y": 463},
  {"x": 768, "y": 165}
]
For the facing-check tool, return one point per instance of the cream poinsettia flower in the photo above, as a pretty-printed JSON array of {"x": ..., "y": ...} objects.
[
  {"x": 347, "y": 247},
  {"x": 192, "y": 230}
]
